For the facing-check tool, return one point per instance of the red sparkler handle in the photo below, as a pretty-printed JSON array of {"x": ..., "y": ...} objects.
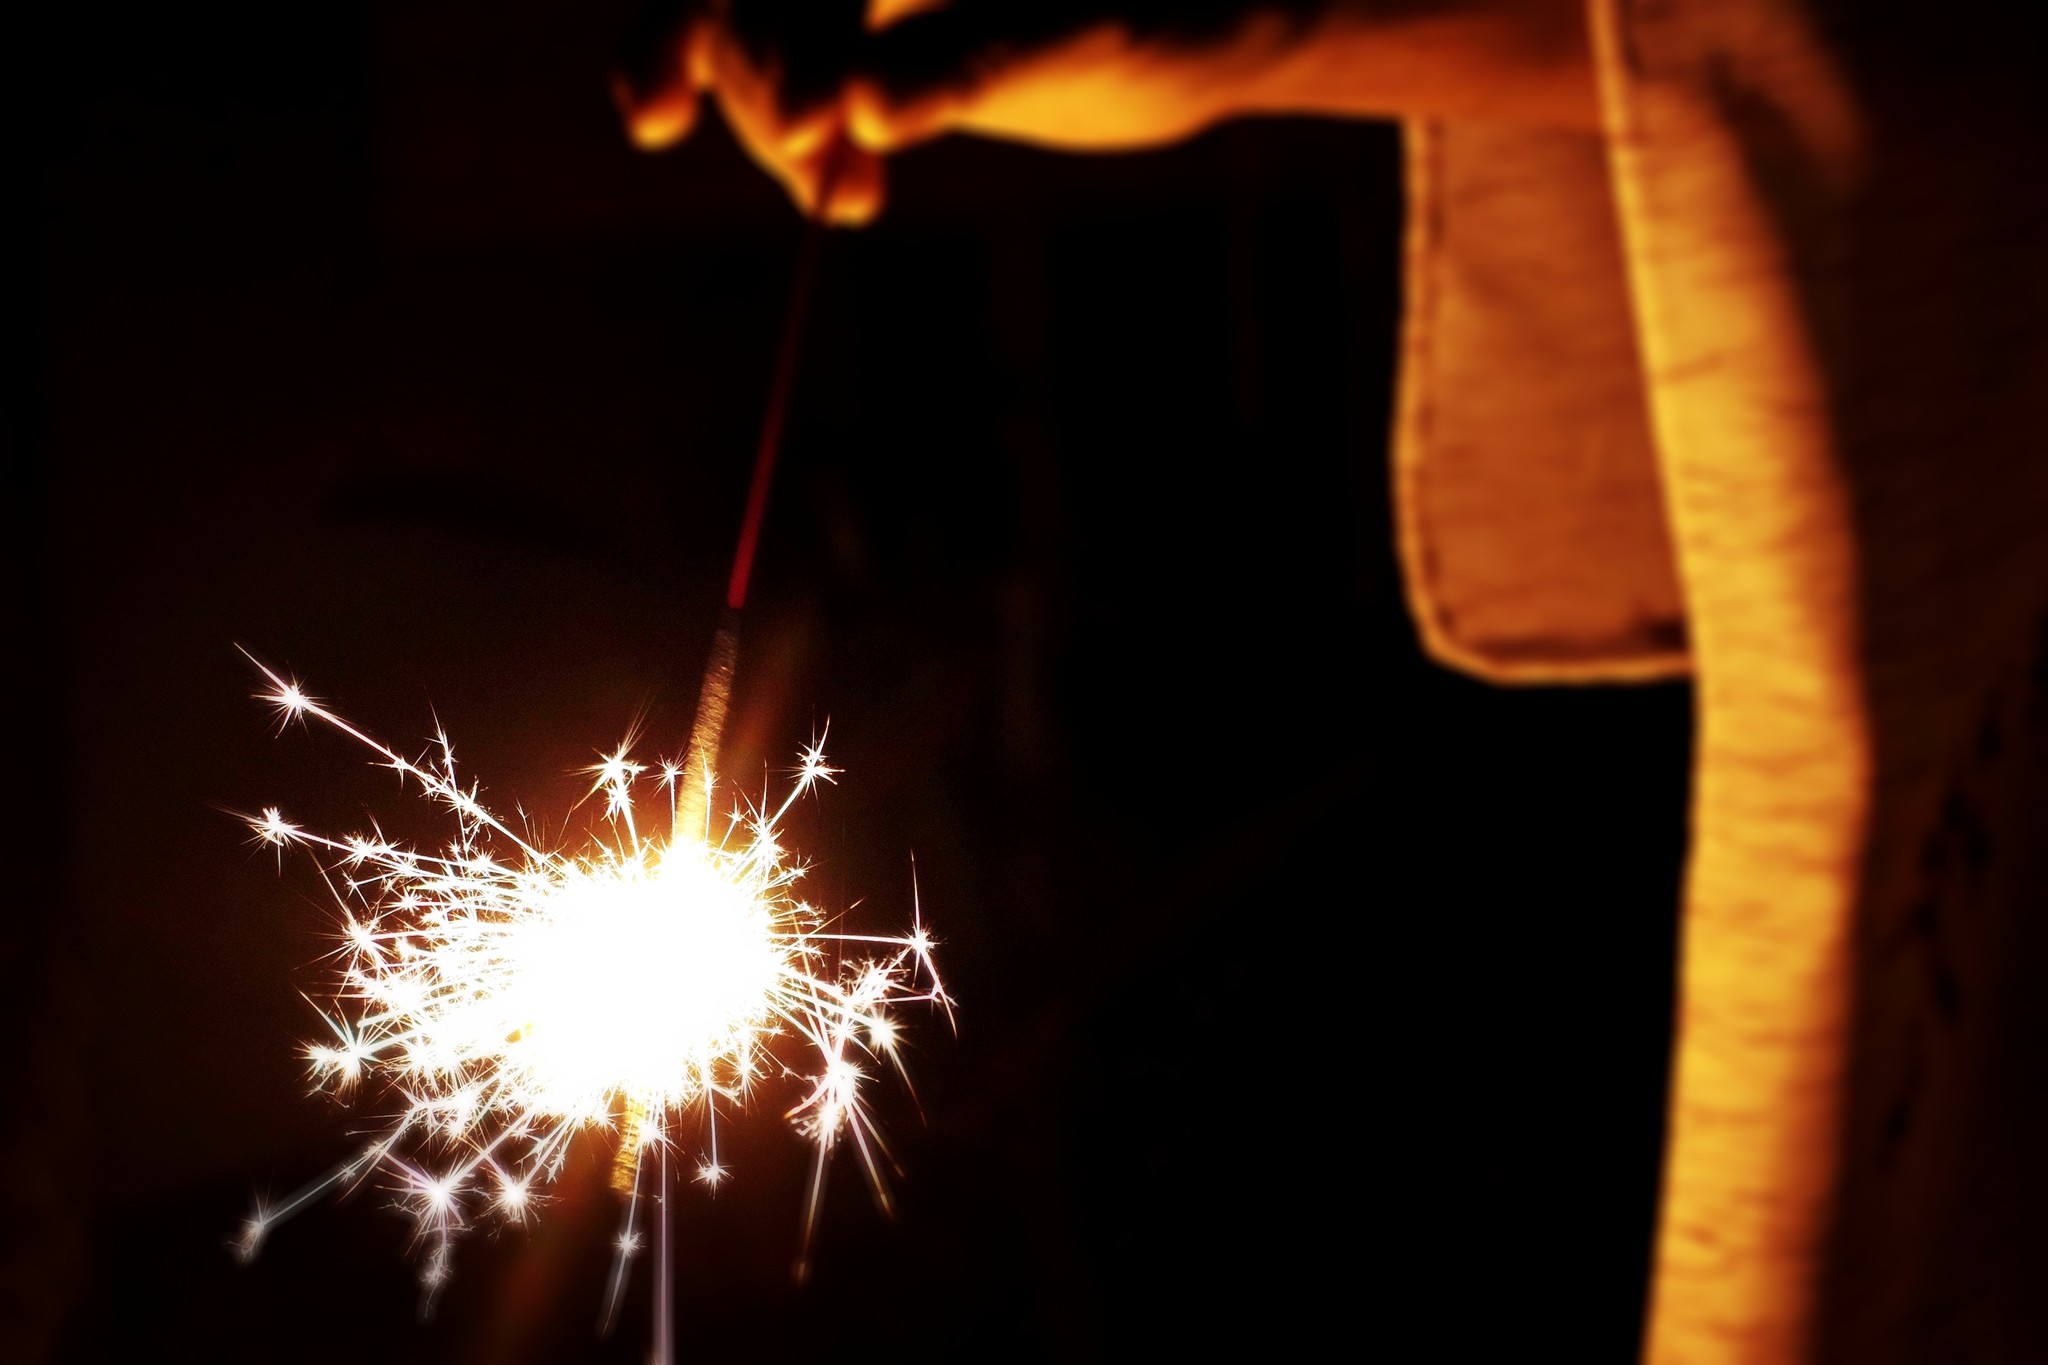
[
  {"x": 787, "y": 355},
  {"x": 708, "y": 727}
]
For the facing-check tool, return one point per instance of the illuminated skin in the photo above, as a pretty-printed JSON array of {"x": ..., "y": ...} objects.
[
  {"x": 1085, "y": 75},
  {"x": 511, "y": 996}
]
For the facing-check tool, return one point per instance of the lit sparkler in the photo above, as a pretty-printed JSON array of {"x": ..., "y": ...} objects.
[{"x": 511, "y": 995}]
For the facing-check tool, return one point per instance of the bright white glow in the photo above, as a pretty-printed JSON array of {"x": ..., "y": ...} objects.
[
  {"x": 509, "y": 996},
  {"x": 636, "y": 979}
]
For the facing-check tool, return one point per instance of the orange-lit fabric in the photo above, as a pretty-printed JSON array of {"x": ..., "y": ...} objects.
[
  {"x": 1831, "y": 225},
  {"x": 1530, "y": 514}
]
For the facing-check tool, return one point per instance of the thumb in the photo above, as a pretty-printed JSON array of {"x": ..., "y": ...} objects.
[
  {"x": 920, "y": 76},
  {"x": 851, "y": 188}
]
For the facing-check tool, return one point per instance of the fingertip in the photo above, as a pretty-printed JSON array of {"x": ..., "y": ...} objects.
[
  {"x": 657, "y": 121},
  {"x": 846, "y": 213},
  {"x": 700, "y": 55},
  {"x": 857, "y": 192},
  {"x": 658, "y": 130}
]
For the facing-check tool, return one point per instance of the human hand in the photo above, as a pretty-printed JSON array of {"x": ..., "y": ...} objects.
[
  {"x": 818, "y": 96},
  {"x": 778, "y": 72}
]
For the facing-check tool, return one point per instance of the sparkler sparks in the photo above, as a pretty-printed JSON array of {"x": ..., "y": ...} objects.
[{"x": 512, "y": 996}]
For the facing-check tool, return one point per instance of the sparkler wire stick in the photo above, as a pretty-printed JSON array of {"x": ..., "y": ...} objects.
[
  {"x": 714, "y": 694},
  {"x": 513, "y": 993}
]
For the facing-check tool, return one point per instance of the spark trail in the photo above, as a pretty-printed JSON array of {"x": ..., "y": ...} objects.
[{"x": 508, "y": 997}]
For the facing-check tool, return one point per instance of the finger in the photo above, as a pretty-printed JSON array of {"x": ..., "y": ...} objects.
[
  {"x": 655, "y": 85},
  {"x": 880, "y": 120},
  {"x": 657, "y": 121},
  {"x": 747, "y": 97},
  {"x": 839, "y": 183},
  {"x": 922, "y": 75},
  {"x": 857, "y": 186},
  {"x": 809, "y": 132},
  {"x": 802, "y": 150}
]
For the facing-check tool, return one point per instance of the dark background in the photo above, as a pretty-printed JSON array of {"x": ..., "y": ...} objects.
[{"x": 1310, "y": 995}]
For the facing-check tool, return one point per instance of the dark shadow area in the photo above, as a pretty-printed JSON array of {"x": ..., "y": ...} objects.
[{"x": 1309, "y": 994}]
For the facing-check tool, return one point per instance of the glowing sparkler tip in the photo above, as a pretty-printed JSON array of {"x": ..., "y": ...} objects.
[{"x": 513, "y": 996}]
